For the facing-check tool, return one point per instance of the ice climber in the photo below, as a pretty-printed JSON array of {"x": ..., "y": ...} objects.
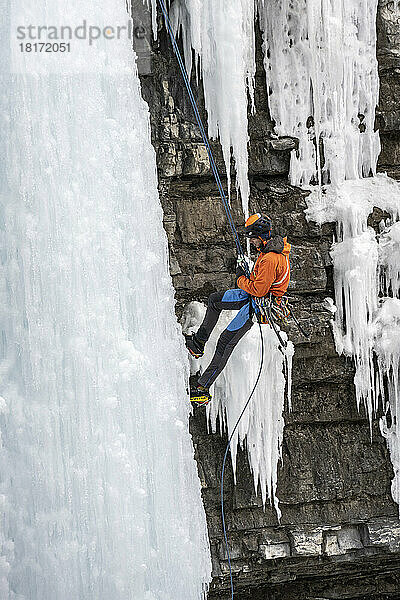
[{"x": 270, "y": 276}]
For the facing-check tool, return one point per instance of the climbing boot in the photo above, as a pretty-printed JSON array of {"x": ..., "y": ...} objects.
[
  {"x": 194, "y": 345},
  {"x": 199, "y": 395}
]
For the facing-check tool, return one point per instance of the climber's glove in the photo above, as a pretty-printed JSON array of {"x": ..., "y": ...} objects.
[
  {"x": 239, "y": 273},
  {"x": 243, "y": 262}
]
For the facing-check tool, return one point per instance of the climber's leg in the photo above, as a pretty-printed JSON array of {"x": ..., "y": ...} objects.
[
  {"x": 218, "y": 301},
  {"x": 225, "y": 345}
]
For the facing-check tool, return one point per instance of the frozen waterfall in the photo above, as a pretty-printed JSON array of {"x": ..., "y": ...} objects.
[{"x": 99, "y": 490}]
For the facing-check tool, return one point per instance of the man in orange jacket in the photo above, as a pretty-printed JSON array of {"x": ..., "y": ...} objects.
[{"x": 270, "y": 275}]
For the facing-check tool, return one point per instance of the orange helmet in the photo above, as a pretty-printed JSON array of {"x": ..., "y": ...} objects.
[{"x": 258, "y": 225}]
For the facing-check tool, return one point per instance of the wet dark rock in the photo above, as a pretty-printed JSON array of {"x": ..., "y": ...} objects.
[{"x": 388, "y": 112}]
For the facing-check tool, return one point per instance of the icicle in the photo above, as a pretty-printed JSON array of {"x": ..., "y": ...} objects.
[
  {"x": 153, "y": 4},
  {"x": 355, "y": 275},
  {"x": 322, "y": 78},
  {"x": 387, "y": 348},
  {"x": 222, "y": 36},
  {"x": 261, "y": 426}
]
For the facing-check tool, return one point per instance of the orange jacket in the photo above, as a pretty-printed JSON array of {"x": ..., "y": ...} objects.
[{"x": 271, "y": 273}]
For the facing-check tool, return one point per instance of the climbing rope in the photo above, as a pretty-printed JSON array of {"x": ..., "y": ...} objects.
[{"x": 203, "y": 133}]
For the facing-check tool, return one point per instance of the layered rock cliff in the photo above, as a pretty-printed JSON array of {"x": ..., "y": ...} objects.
[{"x": 339, "y": 535}]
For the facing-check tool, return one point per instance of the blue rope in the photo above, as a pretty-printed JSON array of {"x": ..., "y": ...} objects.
[
  {"x": 202, "y": 131},
  {"x": 226, "y": 454}
]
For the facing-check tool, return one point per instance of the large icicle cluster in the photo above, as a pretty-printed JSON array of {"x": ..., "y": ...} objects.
[
  {"x": 387, "y": 348},
  {"x": 222, "y": 36},
  {"x": 322, "y": 77},
  {"x": 358, "y": 259},
  {"x": 99, "y": 491},
  {"x": 321, "y": 72},
  {"x": 387, "y": 342},
  {"x": 261, "y": 427},
  {"x": 367, "y": 278}
]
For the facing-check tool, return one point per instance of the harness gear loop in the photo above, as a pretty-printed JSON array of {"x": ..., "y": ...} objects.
[
  {"x": 267, "y": 316},
  {"x": 272, "y": 312}
]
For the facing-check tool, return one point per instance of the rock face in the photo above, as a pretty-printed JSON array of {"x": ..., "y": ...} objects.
[
  {"x": 388, "y": 114},
  {"x": 339, "y": 535}
]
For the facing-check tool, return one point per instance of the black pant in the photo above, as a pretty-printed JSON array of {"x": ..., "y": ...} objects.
[{"x": 229, "y": 300}]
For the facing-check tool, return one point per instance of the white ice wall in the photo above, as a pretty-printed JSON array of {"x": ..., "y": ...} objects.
[{"x": 99, "y": 490}]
